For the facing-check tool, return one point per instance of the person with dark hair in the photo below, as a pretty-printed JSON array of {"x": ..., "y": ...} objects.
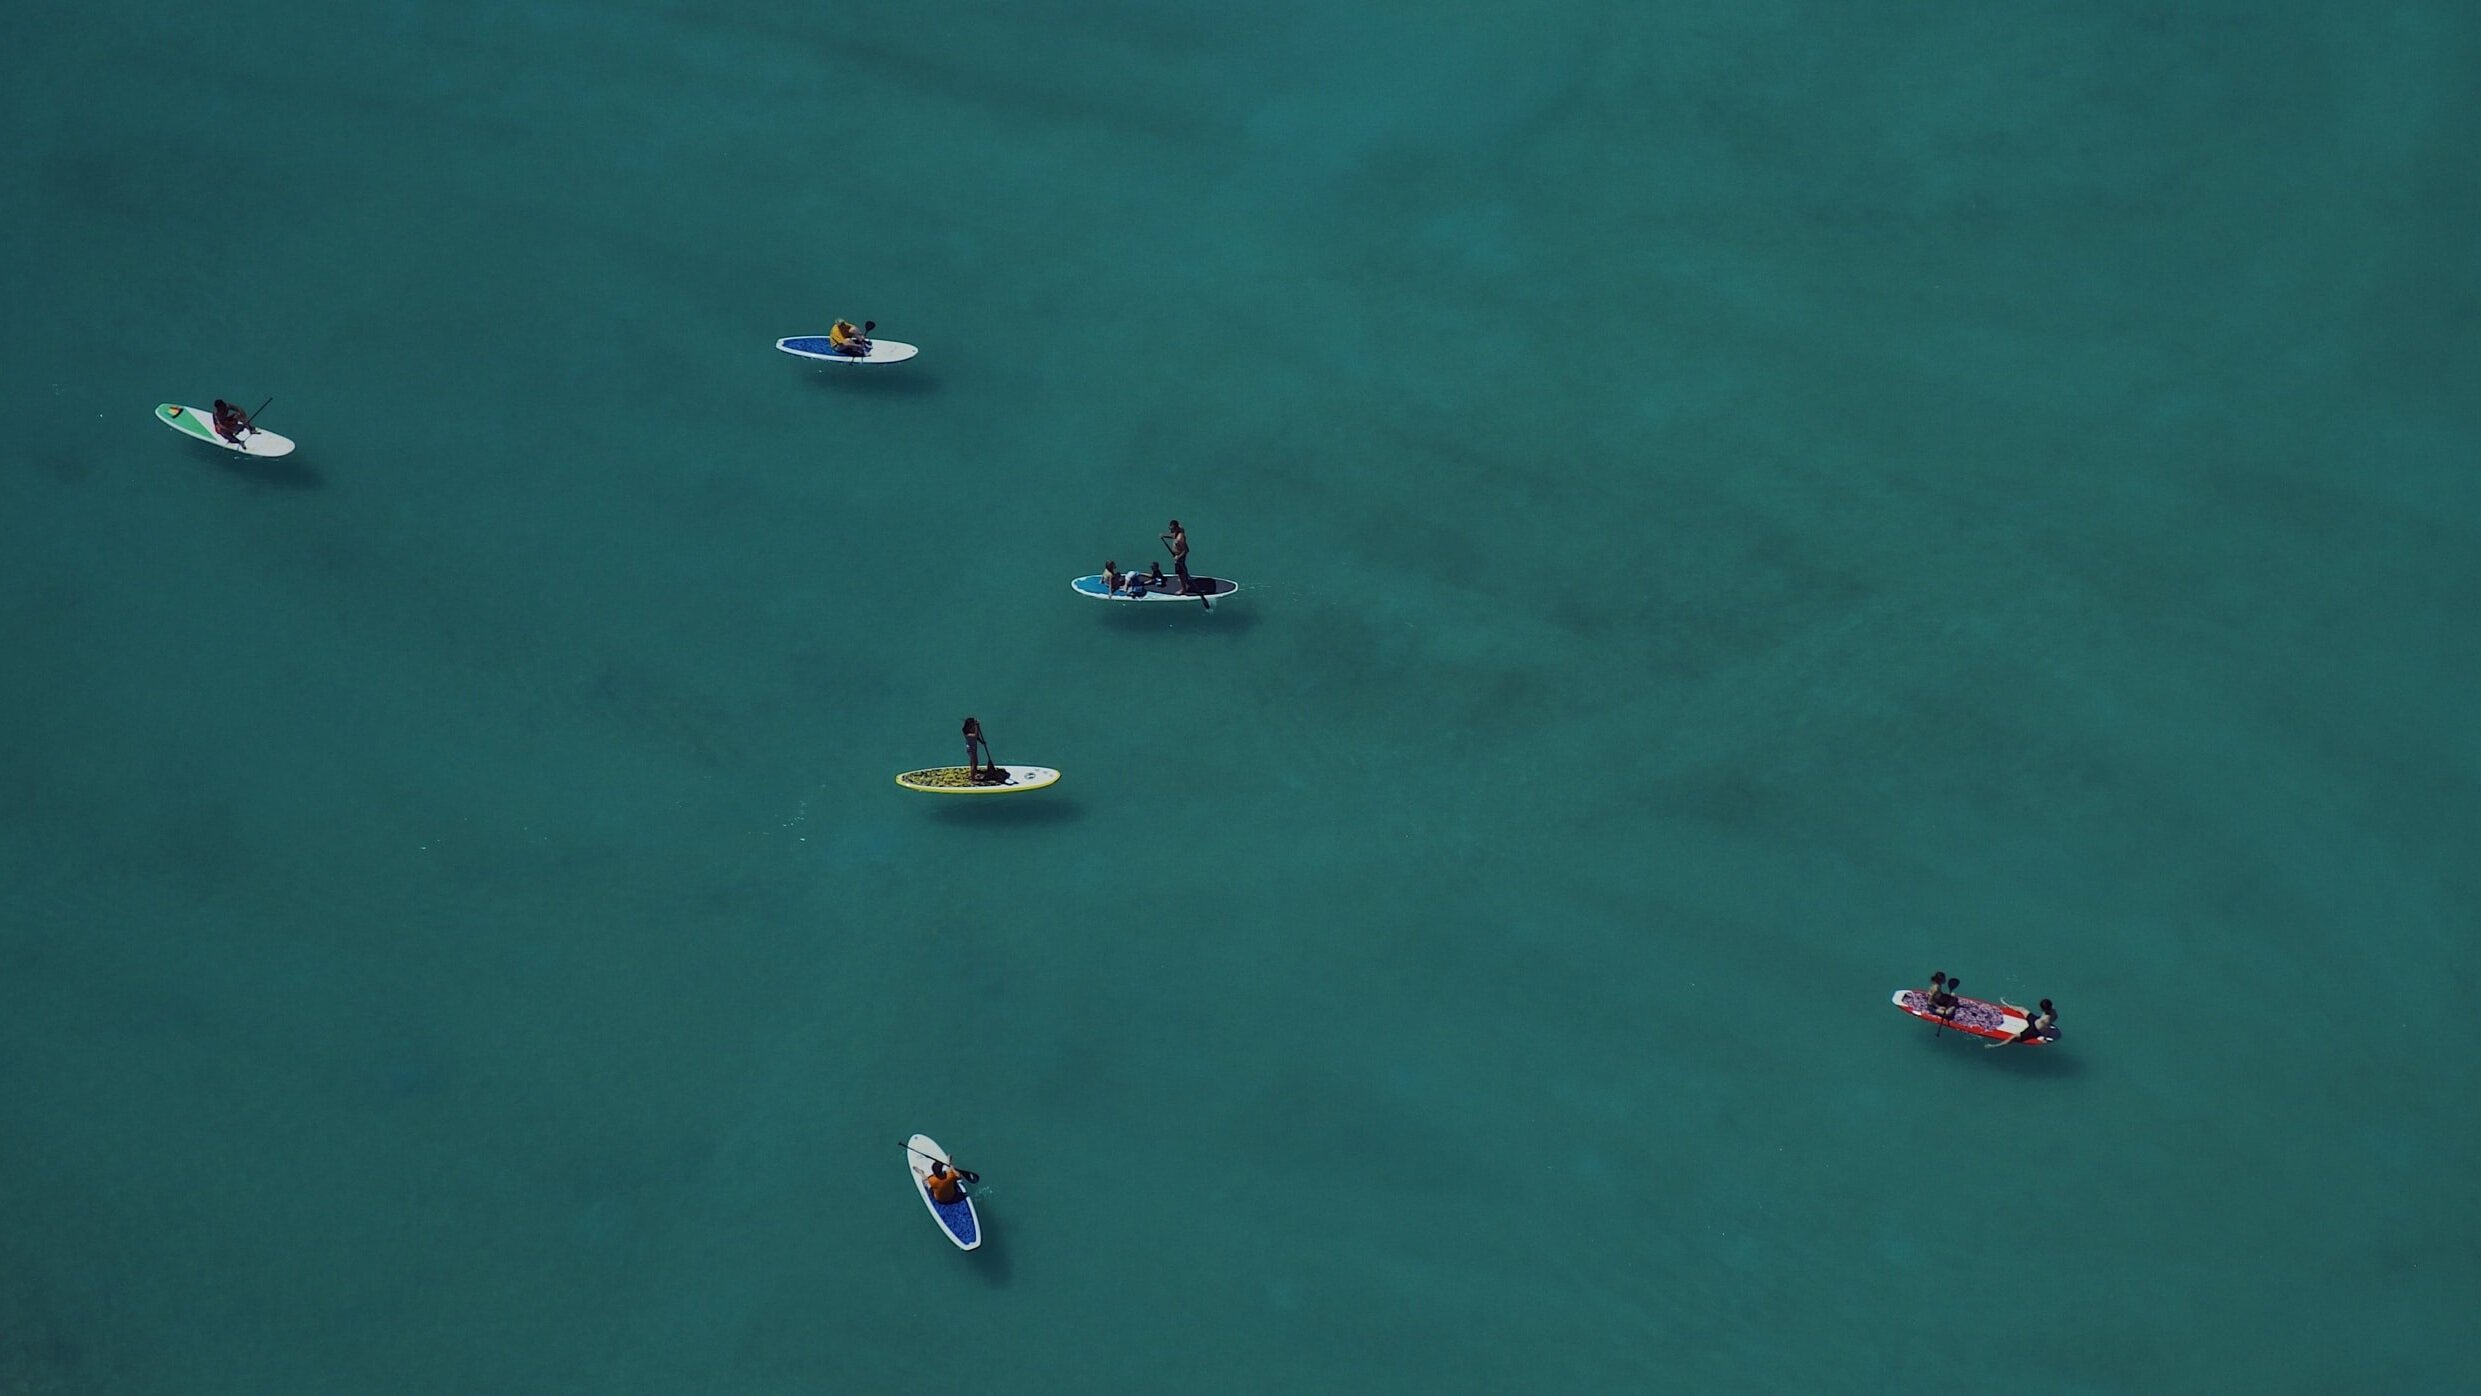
[
  {"x": 946, "y": 1188},
  {"x": 1178, "y": 541},
  {"x": 1946, "y": 1002},
  {"x": 1113, "y": 582},
  {"x": 1935, "y": 997},
  {"x": 230, "y": 421},
  {"x": 979, "y": 767}
]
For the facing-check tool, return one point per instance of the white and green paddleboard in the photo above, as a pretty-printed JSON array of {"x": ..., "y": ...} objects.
[{"x": 198, "y": 422}]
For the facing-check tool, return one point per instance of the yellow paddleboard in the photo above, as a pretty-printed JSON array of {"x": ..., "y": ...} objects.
[{"x": 957, "y": 780}]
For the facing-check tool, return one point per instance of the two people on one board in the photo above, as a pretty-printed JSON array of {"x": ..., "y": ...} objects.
[
  {"x": 1176, "y": 542},
  {"x": 2041, "y": 1025},
  {"x": 1120, "y": 583}
]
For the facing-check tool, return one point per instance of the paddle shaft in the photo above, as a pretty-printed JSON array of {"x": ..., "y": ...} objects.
[
  {"x": 952, "y": 1168},
  {"x": 1178, "y": 558},
  {"x": 1929, "y": 1001},
  {"x": 252, "y": 419}
]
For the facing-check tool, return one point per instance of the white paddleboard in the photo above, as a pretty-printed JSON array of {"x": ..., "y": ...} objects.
[
  {"x": 198, "y": 423},
  {"x": 958, "y": 780},
  {"x": 1134, "y": 588},
  {"x": 958, "y": 1219},
  {"x": 823, "y": 349}
]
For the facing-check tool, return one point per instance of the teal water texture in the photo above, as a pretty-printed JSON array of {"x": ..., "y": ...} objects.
[{"x": 1744, "y": 504}]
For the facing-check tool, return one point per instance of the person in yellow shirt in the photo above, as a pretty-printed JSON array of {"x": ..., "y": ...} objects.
[
  {"x": 849, "y": 340},
  {"x": 946, "y": 1188}
]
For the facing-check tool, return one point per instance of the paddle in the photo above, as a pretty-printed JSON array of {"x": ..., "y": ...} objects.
[
  {"x": 249, "y": 422},
  {"x": 968, "y": 1176},
  {"x": 2012, "y": 1041}
]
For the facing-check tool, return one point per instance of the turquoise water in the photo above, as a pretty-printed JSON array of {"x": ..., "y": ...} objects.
[{"x": 1743, "y": 505}]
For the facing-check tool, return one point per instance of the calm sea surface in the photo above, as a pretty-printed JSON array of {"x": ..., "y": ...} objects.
[{"x": 1741, "y": 505}]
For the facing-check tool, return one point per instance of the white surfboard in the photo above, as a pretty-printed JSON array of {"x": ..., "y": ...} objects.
[
  {"x": 1136, "y": 588},
  {"x": 958, "y": 1219},
  {"x": 823, "y": 349},
  {"x": 198, "y": 423}
]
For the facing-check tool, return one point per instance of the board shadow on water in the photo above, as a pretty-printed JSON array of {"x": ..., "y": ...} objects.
[
  {"x": 2050, "y": 1061},
  {"x": 990, "y": 812},
  {"x": 891, "y": 380},
  {"x": 270, "y": 472},
  {"x": 991, "y": 1262},
  {"x": 1227, "y": 619}
]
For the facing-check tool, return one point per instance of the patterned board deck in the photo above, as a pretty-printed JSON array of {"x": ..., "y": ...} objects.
[
  {"x": 958, "y": 780},
  {"x": 823, "y": 349},
  {"x": 1979, "y": 1017},
  {"x": 957, "y": 1217}
]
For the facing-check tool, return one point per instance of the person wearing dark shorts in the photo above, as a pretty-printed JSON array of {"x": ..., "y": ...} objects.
[
  {"x": 979, "y": 768},
  {"x": 1178, "y": 541},
  {"x": 1946, "y": 1001}
]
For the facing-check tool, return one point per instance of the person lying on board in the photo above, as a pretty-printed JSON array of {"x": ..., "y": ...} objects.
[
  {"x": 946, "y": 1188},
  {"x": 2039, "y": 1026},
  {"x": 1119, "y": 583},
  {"x": 848, "y": 340},
  {"x": 230, "y": 421}
]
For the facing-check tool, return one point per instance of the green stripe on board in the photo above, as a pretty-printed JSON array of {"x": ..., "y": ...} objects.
[{"x": 187, "y": 420}]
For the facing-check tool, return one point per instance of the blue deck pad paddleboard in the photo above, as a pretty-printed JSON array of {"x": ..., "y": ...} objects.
[
  {"x": 823, "y": 349},
  {"x": 957, "y": 1219},
  {"x": 1212, "y": 588}
]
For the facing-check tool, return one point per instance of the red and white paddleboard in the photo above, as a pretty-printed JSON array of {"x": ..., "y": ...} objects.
[{"x": 1997, "y": 1021}]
